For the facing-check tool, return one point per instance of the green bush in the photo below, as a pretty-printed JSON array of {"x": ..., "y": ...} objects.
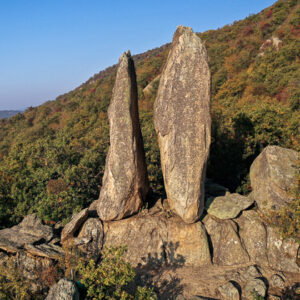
[
  {"x": 12, "y": 284},
  {"x": 110, "y": 279}
]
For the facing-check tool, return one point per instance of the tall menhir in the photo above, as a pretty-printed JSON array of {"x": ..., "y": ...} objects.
[
  {"x": 183, "y": 123},
  {"x": 125, "y": 181}
]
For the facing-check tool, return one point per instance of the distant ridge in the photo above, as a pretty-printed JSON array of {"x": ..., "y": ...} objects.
[{"x": 8, "y": 113}]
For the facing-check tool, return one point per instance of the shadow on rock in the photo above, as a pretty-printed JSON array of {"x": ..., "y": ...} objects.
[{"x": 159, "y": 271}]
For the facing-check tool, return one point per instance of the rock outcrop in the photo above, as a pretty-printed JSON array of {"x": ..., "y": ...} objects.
[
  {"x": 283, "y": 254},
  {"x": 29, "y": 231},
  {"x": 63, "y": 290},
  {"x": 226, "y": 244},
  {"x": 76, "y": 221},
  {"x": 125, "y": 181},
  {"x": 229, "y": 292},
  {"x": 159, "y": 239},
  {"x": 253, "y": 234},
  {"x": 272, "y": 176},
  {"x": 182, "y": 122},
  {"x": 32, "y": 248}
]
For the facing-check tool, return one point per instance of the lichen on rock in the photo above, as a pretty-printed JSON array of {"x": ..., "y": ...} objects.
[
  {"x": 125, "y": 181},
  {"x": 183, "y": 123}
]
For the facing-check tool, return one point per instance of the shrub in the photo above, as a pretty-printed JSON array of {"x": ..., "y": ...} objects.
[
  {"x": 12, "y": 283},
  {"x": 110, "y": 278}
]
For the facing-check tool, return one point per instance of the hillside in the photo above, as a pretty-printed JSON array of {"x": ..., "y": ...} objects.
[
  {"x": 53, "y": 156},
  {"x": 8, "y": 113}
]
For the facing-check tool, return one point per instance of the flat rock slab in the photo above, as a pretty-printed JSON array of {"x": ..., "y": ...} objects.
[
  {"x": 229, "y": 206},
  {"x": 29, "y": 231},
  {"x": 183, "y": 123},
  {"x": 157, "y": 240},
  {"x": 45, "y": 250},
  {"x": 75, "y": 223}
]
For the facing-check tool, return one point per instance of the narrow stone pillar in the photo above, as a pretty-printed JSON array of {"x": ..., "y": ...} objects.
[
  {"x": 183, "y": 123},
  {"x": 125, "y": 181}
]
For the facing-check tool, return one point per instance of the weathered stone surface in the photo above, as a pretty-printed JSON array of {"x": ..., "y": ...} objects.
[
  {"x": 74, "y": 224},
  {"x": 156, "y": 239},
  {"x": 229, "y": 292},
  {"x": 29, "y": 231},
  {"x": 251, "y": 272},
  {"x": 272, "y": 176},
  {"x": 92, "y": 233},
  {"x": 282, "y": 253},
  {"x": 254, "y": 236},
  {"x": 31, "y": 266},
  {"x": 45, "y": 250},
  {"x": 190, "y": 242},
  {"x": 277, "y": 281},
  {"x": 182, "y": 122},
  {"x": 125, "y": 181},
  {"x": 255, "y": 287},
  {"x": 274, "y": 297},
  {"x": 63, "y": 290},
  {"x": 227, "y": 247},
  {"x": 229, "y": 206}
]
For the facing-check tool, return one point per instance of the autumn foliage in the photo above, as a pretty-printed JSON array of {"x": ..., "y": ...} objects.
[{"x": 53, "y": 155}]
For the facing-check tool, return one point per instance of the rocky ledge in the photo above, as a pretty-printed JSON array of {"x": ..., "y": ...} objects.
[{"x": 228, "y": 254}]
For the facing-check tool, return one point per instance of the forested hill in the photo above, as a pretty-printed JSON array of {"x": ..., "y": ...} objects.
[{"x": 53, "y": 156}]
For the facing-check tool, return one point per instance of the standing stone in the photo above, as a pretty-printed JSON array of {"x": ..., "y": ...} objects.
[
  {"x": 125, "y": 181},
  {"x": 182, "y": 122}
]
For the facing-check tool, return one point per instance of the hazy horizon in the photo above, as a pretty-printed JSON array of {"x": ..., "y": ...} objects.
[{"x": 49, "y": 48}]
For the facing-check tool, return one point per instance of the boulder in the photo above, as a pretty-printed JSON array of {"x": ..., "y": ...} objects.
[
  {"x": 273, "y": 176},
  {"x": 63, "y": 290},
  {"x": 29, "y": 231},
  {"x": 253, "y": 234},
  {"x": 229, "y": 292},
  {"x": 228, "y": 206},
  {"x": 249, "y": 273},
  {"x": 158, "y": 239},
  {"x": 92, "y": 235},
  {"x": 75, "y": 223},
  {"x": 282, "y": 253},
  {"x": 226, "y": 245},
  {"x": 125, "y": 180},
  {"x": 277, "y": 281},
  {"x": 255, "y": 287},
  {"x": 183, "y": 123}
]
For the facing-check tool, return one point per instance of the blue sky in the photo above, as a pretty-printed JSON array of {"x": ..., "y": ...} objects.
[{"x": 49, "y": 47}]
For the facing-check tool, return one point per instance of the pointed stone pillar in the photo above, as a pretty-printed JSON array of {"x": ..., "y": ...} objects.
[{"x": 125, "y": 180}]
